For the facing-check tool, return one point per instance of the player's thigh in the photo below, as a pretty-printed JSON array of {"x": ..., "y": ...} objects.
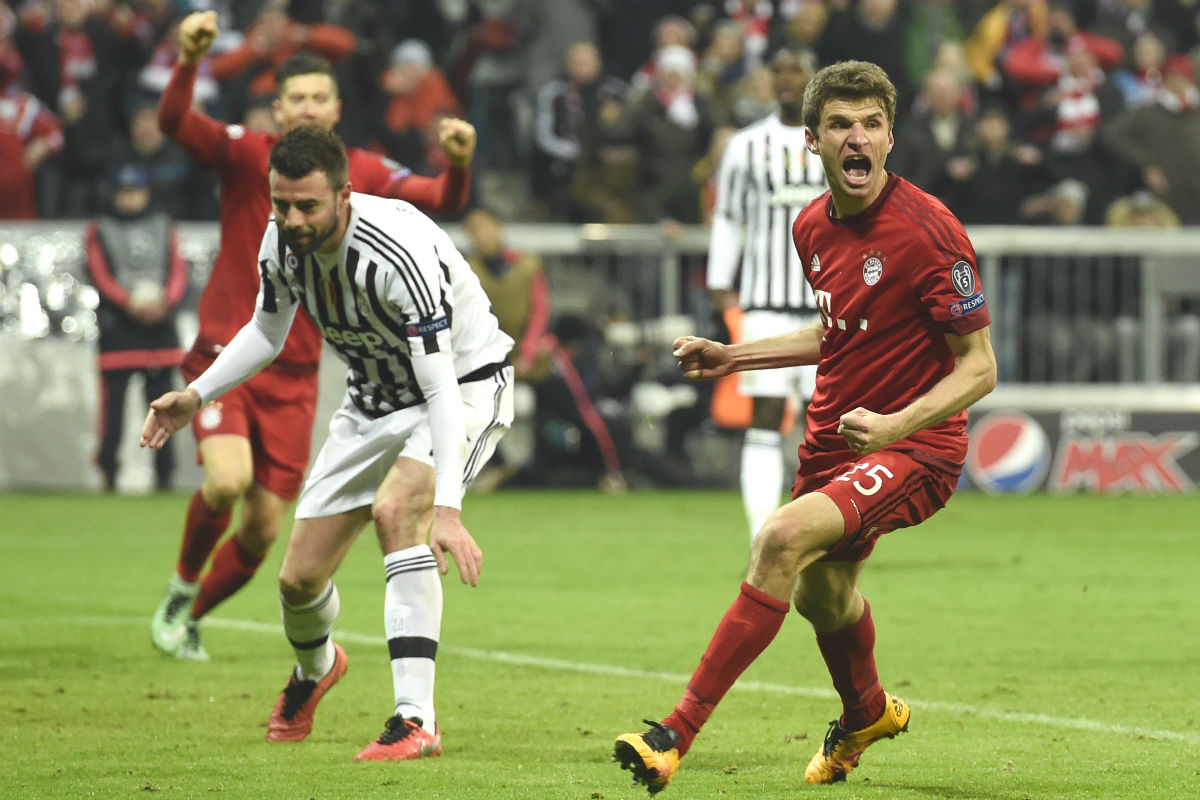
[
  {"x": 228, "y": 464},
  {"x": 315, "y": 550},
  {"x": 262, "y": 516},
  {"x": 403, "y": 508},
  {"x": 879, "y": 493},
  {"x": 794, "y": 536}
]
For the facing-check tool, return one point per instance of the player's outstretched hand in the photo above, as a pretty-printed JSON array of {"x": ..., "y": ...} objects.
[
  {"x": 168, "y": 414},
  {"x": 701, "y": 358},
  {"x": 451, "y": 536},
  {"x": 457, "y": 137},
  {"x": 196, "y": 34}
]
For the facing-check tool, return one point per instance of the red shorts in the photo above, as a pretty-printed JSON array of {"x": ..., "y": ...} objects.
[
  {"x": 877, "y": 493},
  {"x": 275, "y": 410}
]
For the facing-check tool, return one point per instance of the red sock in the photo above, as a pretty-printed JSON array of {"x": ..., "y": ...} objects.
[
  {"x": 850, "y": 655},
  {"x": 745, "y": 631},
  {"x": 233, "y": 566},
  {"x": 201, "y": 532}
]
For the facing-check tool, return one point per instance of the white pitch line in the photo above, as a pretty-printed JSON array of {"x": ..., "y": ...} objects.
[{"x": 1048, "y": 720}]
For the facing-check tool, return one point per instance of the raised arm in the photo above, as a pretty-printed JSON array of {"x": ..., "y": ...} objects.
[
  {"x": 199, "y": 134},
  {"x": 448, "y": 192},
  {"x": 973, "y": 376}
]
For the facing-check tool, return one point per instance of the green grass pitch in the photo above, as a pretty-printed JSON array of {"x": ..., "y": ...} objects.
[{"x": 1049, "y": 647}]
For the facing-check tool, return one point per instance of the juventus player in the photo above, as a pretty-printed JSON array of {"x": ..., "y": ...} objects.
[
  {"x": 766, "y": 176},
  {"x": 429, "y": 393},
  {"x": 903, "y": 346},
  {"x": 255, "y": 442}
]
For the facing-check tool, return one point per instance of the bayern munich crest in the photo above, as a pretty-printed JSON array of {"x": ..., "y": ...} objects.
[
  {"x": 872, "y": 270},
  {"x": 1009, "y": 453}
]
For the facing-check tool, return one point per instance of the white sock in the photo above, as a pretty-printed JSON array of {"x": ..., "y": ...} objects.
[
  {"x": 762, "y": 475},
  {"x": 412, "y": 615},
  {"x": 308, "y": 627}
]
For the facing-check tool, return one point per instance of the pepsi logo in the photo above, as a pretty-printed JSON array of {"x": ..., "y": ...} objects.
[{"x": 1009, "y": 453}]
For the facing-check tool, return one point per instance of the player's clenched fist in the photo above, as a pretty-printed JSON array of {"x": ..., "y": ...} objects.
[
  {"x": 701, "y": 358},
  {"x": 196, "y": 34},
  {"x": 457, "y": 137}
]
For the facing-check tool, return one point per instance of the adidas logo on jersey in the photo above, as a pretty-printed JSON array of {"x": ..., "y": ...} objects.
[{"x": 815, "y": 264}]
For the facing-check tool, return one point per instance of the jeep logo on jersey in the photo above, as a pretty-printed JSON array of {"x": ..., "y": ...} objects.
[
  {"x": 367, "y": 339},
  {"x": 964, "y": 278}
]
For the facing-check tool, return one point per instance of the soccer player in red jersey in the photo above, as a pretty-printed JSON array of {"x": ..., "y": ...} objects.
[
  {"x": 903, "y": 347},
  {"x": 255, "y": 441}
]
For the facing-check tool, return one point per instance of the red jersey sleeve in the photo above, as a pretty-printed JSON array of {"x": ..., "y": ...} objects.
[
  {"x": 374, "y": 174},
  {"x": 202, "y": 137},
  {"x": 949, "y": 285}
]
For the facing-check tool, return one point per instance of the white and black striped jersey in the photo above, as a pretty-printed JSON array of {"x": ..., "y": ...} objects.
[
  {"x": 396, "y": 288},
  {"x": 766, "y": 176}
]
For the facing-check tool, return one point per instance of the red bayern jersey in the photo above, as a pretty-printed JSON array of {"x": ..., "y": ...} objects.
[
  {"x": 890, "y": 282},
  {"x": 240, "y": 159}
]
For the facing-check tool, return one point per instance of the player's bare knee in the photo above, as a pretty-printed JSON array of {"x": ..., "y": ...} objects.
[
  {"x": 297, "y": 589},
  {"x": 780, "y": 543},
  {"x": 221, "y": 491},
  {"x": 401, "y": 522}
]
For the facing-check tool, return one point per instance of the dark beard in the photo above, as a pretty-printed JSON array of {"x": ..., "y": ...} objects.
[{"x": 313, "y": 245}]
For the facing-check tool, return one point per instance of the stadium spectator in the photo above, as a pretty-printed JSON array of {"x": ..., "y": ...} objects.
[
  {"x": 754, "y": 17},
  {"x": 873, "y": 29},
  {"x": 490, "y": 64},
  {"x": 929, "y": 26},
  {"x": 1140, "y": 209},
  {"x": 937, "y": 131},
  {"x": 565, "y": 110},
  {"x": 1162, "y": 141},
  {"x": 754, "y": 100},
  {"x": 766, "y": 177},
  {"x": 515, "y": 281},
  {"x": 671, "y": 126},
  {"x": 255, "y": 444},
  {"x": 414, "y": 96},
  {"x": 1004, "y": 25},
  {"x": 723, "y": 66},
  {"x": 1141, "y": 82},
  {"x": 29, "y": 132},
  {"x": 670, "y": 31},
  {"x": 908, "y": 334},
  {"x": 248, "y": 70},
  {"x": 1064, "y": 203},
  {"x": 807, "y": 26},
  {"x": 76, "y": 65},
  {"x": 988, "y": 184},
  {"x": 134, "y": 262},
  {"x": 605, "y": 183},
  {"x": 177, "y": 184},
  {"x": 423, "y": 412}
]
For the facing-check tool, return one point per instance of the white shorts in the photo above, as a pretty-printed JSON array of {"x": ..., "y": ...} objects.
[
  {"x": 784, "y": 381},
  {"x": 359, "y": 451}
]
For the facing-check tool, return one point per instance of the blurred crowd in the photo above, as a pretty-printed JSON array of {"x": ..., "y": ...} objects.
[{"x": 1012, "y": 112}]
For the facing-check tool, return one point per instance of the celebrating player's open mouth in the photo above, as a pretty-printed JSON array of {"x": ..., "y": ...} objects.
[{"x": 857, "y": 170}]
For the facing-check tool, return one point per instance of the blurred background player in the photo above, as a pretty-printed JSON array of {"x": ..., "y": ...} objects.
[
  {"x": 766, "y": 176},
  {"x": 254, "y": 443},
  {"x": 134, "y": 262}
]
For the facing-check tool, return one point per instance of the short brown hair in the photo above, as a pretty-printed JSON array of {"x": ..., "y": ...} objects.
[
  {"x": 848, "y": 80},
  {"x": 304, "y": 64},
  {"x": 310, "y": 149}
]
